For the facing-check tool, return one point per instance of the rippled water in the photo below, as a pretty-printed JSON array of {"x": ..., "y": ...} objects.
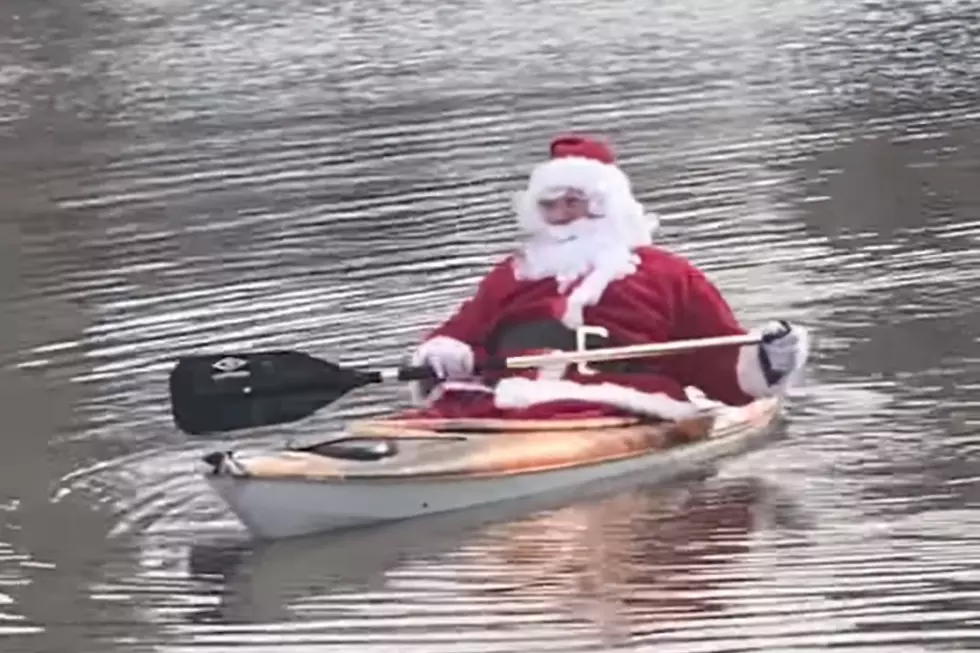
[{"x": 333, "y": 177}]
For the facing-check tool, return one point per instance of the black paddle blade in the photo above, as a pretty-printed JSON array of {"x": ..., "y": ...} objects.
[{"x": 227, "y": 392}]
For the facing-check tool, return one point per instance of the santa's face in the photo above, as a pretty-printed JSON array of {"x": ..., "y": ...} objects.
[
  {"x": 564, "y": 206},
  {"x": 577, "y": 215}
]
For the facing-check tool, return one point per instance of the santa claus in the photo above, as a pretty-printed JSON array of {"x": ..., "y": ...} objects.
[{"x": 588, "y": 259}]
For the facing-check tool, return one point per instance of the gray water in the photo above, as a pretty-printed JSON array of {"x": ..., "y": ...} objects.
[{"x": 334, "y": 177}]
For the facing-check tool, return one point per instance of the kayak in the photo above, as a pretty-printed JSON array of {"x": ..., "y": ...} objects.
[{"x": 397, "y": 469}]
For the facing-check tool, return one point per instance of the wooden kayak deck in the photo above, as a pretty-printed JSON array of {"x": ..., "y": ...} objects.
[{"x": 493, "y": 448}]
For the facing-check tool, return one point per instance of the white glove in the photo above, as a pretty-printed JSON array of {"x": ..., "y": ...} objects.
[
  {"x": 449, "y": 358},
  {"x": 784, "y": 350}
]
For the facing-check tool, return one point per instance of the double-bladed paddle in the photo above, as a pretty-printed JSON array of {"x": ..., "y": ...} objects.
[{"x": 230, "y": 391}]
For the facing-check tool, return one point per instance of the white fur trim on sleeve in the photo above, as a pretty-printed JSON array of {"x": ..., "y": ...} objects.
[
  {"x": 439, "y": 345},
  {"x": 417, "y": 393},
  {"x": 751, "y": 378},
  {"x": 440, "y": 389},
  {"x": 748, "y": 369}
]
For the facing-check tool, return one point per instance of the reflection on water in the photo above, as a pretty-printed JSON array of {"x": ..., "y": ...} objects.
[
  {"x": 591, "y": 567},
  {"x": 178, "y": 176}
]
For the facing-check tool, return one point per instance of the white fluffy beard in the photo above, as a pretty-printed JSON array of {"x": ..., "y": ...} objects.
[
  {"x": 568, "y": 252},
  {"x": 583, "y": 250}
]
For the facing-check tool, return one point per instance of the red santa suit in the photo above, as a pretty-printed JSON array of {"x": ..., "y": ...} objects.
[{"x": 602, "y": 271}]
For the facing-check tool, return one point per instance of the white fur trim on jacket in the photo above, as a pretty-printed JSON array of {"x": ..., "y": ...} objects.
[
  {"x": 749, "y": 372},
  {"x": 520, "y": 392},
  {"x": 611, "y": 265}
]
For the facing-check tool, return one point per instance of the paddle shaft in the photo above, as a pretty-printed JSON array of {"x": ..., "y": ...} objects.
[
  {"x": 230, "y": 391},
  {"x": 647, "y": 350}
]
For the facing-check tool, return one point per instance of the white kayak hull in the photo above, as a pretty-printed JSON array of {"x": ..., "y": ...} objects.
[{"x": 282, "y": 507}]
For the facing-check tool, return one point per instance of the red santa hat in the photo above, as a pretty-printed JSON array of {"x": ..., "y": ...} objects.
[
  {"x": 565, "y": 145},
  {"x": 589, "y": 165}
]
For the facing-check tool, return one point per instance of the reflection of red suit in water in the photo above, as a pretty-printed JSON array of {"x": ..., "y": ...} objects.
[
  {"x": 603, "y": 272},
  {"x": 639, "y": 561}
]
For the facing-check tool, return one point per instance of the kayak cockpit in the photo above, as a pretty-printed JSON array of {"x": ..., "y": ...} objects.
[{"x": 354, "y": 448}]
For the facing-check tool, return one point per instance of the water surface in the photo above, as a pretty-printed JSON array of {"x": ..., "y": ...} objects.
[{"x": 334, "y": 178}]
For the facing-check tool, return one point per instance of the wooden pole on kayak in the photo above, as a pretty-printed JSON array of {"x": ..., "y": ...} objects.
[{"x": 647, "y": 350}]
